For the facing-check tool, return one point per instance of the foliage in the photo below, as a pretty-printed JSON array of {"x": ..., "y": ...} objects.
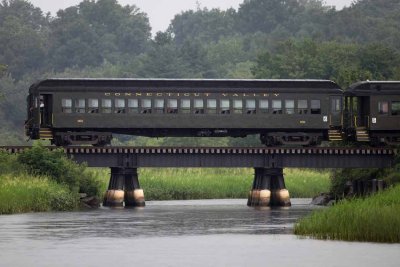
[
  {"x": 191, "y": 183},
  {"x": 24, "y": 193},
  {"x": 262, "y": 39},
  {"x": 9, "y": 163},
  {"x": 373, "y": 219},
  {"x": 43, "y": 180},
  {"x": 343, "y": 63},
  {"x": 23, "y": 34},
  {"x": 54, "y": 164},
  {"x": 340, "y": 177},
  {"x": 202, "y": 25},
  {"x": 95, "y": 31}
]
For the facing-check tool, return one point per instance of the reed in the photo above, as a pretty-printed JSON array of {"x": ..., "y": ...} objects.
[
  {"x": 193, "y": 183},
  {"x": 24, "y": 193},
  {"x": 373, "y": 219}
]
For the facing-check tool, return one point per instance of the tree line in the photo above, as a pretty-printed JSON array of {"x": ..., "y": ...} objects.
[{"x": 262, "y": 39}]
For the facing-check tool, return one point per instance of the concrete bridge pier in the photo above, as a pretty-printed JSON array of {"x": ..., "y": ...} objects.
[
  {"x": 134, "y": 196},
  {"x": 115, "y": 194},
  {"x": 269, "y": 189},
  {"x": 124, "y": 187},
  {"x": 260, "y": 194},
  {"x": 279, "y": 194}
]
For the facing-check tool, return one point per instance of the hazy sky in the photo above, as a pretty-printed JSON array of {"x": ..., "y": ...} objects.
[{"x": 161, "y": 12}]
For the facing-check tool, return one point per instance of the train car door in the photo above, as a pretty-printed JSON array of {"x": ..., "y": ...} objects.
[
  {"x": 363, "y": 111},
  {"x": 46, "y": 110},
  {"x": 336, "y": 111}
]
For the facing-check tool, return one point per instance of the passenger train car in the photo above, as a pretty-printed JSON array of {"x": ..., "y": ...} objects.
[
  {"x": 283, "y": 112},
  {"x": 373, "y": 112}
]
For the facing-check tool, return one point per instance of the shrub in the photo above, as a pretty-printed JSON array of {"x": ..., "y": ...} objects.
[
  {"x": 55, "y": 165},
  {"x": 340, "y": 177},
  {"x": 22, "y": 193},
  {"x": 9, "y": 163}
]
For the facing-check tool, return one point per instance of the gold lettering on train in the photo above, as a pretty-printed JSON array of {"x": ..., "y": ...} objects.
[{"x": 150, "y": 94}]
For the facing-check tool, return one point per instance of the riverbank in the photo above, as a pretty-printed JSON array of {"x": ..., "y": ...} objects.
[
  {"x": 25, "y": 193},
  {"x": 373, "y": 219},
  {"x": 191, "y": 183},
  {"x": 42, "y": 180},
  {"x": 38, "y": 180}
]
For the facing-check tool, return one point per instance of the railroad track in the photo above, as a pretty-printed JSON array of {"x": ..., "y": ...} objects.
[{"x": 213, "y": 150}]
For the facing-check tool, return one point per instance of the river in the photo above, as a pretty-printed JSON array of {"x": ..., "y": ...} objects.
[{"x": 178, "y": 233}]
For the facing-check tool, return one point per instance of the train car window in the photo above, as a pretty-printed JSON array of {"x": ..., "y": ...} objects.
[
  {"x": 159, "y": 105},
  {"x": 276, "y": 106},
  {"x": 395, "y": 108},
  {"x": 383, "y": 108},
  {"x": 264, "y": 105},
  {"x": 172, "y": 106},
  {"x": 251, "y": 106},
  {"x": 185, "y": 105},
  {"x": 211, "y": 106},
  {"x": 289, "y": 106},
  {"x": 198, "y": 106},
  {"x": 80, "y": 105},
  {"x": 225, "y": 106},
  {"x": 315, "y": 106},
  {"x": 106, "y": 105},
  {"x": 133, "y": 106},
  {"x": 238, "y": 106},
  {"x": 66, "y": 105},
  {"x": 119, "y": 105},
  {"x": 336, "y": 105},
  {"x": 93, "y": 105},
  {"x": 302, "y": 107},
  {"x": 146, "y": 106}
]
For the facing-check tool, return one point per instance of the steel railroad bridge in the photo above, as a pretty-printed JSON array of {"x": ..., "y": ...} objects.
[{"x": 268, "y": 187}]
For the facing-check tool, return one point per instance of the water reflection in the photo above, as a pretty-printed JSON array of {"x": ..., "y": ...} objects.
[
  {"x": 182, "y": 233},
  {"x": 172, "y": 218}
]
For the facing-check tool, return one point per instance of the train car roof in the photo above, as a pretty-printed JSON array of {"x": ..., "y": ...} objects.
[
  {"x": 367, "y": 88},
  {"x": 229, "y": 85}
]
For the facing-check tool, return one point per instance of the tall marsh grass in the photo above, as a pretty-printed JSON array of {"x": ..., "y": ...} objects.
[
  {"x": 193, "y": 183},
  {"x": 374, "y": 219},
  {"x": 24, "y": 193}
]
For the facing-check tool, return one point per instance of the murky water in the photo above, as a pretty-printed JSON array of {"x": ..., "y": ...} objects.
[{"x": 178, "y": 233}]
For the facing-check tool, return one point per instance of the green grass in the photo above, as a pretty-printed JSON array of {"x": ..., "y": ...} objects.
[
  {"x": 374, "y": 219},
  {"x": 24, "y": 193},
  {"x": 191, "y": 183}
]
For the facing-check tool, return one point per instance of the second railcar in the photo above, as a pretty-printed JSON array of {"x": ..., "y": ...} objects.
[
  {"x": 89, "y": 111},
  {"x": 373, "y": 112}
]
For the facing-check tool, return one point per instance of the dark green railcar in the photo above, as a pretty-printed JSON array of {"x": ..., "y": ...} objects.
[
  {"x": 373, "y": 112},
  {"x": 89, "y": 111}
]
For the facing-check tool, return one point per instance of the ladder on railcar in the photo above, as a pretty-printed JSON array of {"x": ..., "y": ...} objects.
[
  {"x": 335, "y": 135},
  {"x": 362, "y": 134},
  {"x": 45, "y": 133}
]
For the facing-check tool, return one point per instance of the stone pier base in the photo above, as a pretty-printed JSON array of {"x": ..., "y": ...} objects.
[
  {"x": 124, "y": 188},
  {"x": 269, "y": 189}
]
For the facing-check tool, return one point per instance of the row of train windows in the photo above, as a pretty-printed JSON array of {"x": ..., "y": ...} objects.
[
  {"x": 196, "y": 106},
  {"x": 383, "y": 108}
]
